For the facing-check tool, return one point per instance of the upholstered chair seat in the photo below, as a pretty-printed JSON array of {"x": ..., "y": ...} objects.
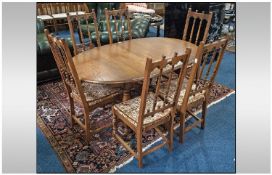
[
  {"x": 129, "y": 110},
  {"x": 193, "y": 98},
  {"x": 96, "y": 93},
  {"x": 87, "y": 95}
]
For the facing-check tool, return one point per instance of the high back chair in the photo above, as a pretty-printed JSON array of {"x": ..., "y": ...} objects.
[
  {"x": 197, "y": 26},
  {"x": 150, "y": 110},
  {"x": 199, "y": 84},
  {"x": 87, "y": 95},
  {"x": 44, "y": 9},
  {"x": 118, "y": 25},
  {"x": 87, "y": 31},
  {"x": 60, "y": 7},
  {"x": 74, "y": 7}
]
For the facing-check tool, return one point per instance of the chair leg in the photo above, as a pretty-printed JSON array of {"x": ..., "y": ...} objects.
[
  {"x": 87, "y": 126},
  {"x": 171, "y": 132},
  {"x": 204, "y": 111},
  {"x": 72, "y": 110},
  {"x": 139, "y": 149},
  {"x": 114, "y": 122},
  {"x": 182, "y": 127}
]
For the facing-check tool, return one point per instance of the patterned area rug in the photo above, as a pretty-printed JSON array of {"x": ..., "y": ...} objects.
[{"x": 103, "y": 153}]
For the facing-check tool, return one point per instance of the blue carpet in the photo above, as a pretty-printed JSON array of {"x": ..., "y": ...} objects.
[
  {"x": 209, "y": 150},
  {"x": 47, "y": 160}
]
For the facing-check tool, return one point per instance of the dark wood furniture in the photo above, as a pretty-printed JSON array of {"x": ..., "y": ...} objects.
[
  {"x": 120, "y": 19},
  {"x": 194, "y": 23},
  {"x": 88, "y": 95},
  {"x": 176, "y": 12},
  {"x": 123, "y": 63},
  {"x": 149, "y": 110},
  {"x": 85, "y": 35}
]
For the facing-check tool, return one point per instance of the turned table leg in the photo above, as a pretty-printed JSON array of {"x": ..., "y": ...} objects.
[{"x": 126, "y": 93}]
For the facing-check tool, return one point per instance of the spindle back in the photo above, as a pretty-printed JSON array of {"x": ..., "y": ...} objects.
[
  {"x": 85, "y": 35},
  {"x": 63, "y": 58},
  {"x": 120, "y": 19},
  {"x": 194, "y": 26},
  {"x": 155, "y": 70},
  {"x": 212, "y": 55},
  {"x": 203, "y": 73}
]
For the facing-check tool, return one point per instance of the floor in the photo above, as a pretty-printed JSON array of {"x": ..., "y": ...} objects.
[{"x": 209, "y": 150}]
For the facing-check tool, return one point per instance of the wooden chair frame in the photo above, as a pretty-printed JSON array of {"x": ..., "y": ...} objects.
[
  {"x": 118, "y": 14},
  {"x": 201, "y": 16},
  {"x": 146, "y": 112},
  {"x": 57, "y": 8},
  {"x": 73, "y": 86},
  {"x": 213, "y": 50},
  {"x": 78, "y": 18}
]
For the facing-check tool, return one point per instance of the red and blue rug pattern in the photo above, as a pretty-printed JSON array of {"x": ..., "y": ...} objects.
[{"x": 103, "y": 153}]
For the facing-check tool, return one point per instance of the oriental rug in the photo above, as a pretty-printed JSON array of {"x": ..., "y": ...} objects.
[{"x": 103, "y": 153}]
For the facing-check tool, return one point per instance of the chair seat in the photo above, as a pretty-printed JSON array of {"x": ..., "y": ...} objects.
[
  {"x": 96, "y": 93},
  {"x": 60, "y": 16},
  {"x": 130, "y": 110},
  {"x": 173, "y": 86},
  {"x": 169, "y": 68},
  {"x": 76, "y": 13},
  {"x": 45, "y": 17}
]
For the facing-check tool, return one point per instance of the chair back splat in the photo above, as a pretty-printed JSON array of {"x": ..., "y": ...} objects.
[
  {"x": 201, "y": 79},
  {"x": 197, "y": 26},
  {"x": 88, "y": 95},
  {"x": 203, "y": 73},
  {"x": 121, "y": 21},
  {"x": 154, "y": 107},
  {"x": 87, "y": 30},
  {"x": 156, "y": 70},
  {"x": 60, "y": 7},
  {"x": 65, "y": 65}
]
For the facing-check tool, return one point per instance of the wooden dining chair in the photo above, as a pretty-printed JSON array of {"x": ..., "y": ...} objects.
[
  {"x": 118, "y": 25},
  {"x": 197, "y": 26},
  {"x": 44, "y": 9},
  {"x": 87, "y": 31},
  {"x": 74, "y": 7},
  {"x": 148, "y": 111},
  {"x": 87, "y": 95},
  {"x": 198, "y": 84},
  {"x": 202, "y": 79}
]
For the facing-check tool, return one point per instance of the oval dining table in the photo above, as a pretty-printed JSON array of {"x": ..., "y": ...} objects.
[{"x": 124, "y": 62}]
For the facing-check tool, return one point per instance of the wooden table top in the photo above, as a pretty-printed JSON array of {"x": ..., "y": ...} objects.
[{"x": 125, "y": 62}]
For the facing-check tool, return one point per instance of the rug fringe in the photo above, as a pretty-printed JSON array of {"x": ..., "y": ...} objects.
[
  {"x": 217, "y": 101},
  {"x": 121, "y": 165},
  {"x": 159, "y": 139},
  {"x": 130, "y": 159}
]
